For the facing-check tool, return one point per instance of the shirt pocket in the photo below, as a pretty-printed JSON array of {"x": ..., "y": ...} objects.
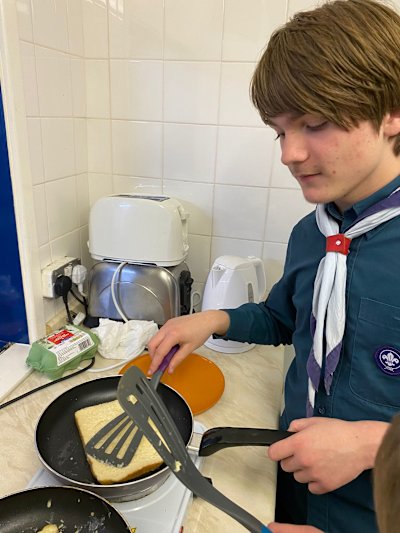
[{"x": 378, "y": 326}]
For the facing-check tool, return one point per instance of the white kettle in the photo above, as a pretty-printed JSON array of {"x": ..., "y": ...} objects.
[{"x": 233, "y": 281}]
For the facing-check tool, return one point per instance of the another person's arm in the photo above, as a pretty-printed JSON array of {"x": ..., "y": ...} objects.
[{"x": 275, "y": 527}]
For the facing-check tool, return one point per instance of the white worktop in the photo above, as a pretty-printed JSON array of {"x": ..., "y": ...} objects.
[{"x": 252, "y": 398}]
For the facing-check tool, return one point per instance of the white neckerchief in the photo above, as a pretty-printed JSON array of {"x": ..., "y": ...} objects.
[{"x": 329, "y": 301}]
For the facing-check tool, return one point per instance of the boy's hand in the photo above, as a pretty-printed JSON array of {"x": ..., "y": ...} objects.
[
  {"x": 189, "y": 332},
  {"x": 275, "y": 527},
  {"x": 327, "y": 453}
]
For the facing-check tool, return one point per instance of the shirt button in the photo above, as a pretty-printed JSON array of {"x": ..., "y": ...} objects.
[{"x": 321, "y": 410}]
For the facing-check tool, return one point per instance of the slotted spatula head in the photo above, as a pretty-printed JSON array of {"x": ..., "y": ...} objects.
[
  {"x": 117, "y": 442},
  {"x": 143, "y": 404}
]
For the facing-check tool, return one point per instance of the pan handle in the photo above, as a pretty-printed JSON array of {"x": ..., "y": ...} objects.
[{"x": 216, "y": 439}]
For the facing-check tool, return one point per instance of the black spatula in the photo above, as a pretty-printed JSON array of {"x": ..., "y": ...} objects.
[
  {"x": 141, "y": 402},
  {"x": 117, "y": 442}
]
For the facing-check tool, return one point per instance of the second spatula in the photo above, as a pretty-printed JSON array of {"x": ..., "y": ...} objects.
[{"x": 117, "y": 442}]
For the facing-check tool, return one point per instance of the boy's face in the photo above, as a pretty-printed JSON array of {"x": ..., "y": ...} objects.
[{"x": 332, "y": 164}]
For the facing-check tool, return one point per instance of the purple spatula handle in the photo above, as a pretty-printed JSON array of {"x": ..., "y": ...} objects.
[{"x": 167, "y": 359}]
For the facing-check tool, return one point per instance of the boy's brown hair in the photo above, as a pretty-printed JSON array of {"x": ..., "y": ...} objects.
[{"x": 340, "y": 61}]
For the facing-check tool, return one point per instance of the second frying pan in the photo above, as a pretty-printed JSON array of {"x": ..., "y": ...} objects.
[{"x": 68, "y": 508}]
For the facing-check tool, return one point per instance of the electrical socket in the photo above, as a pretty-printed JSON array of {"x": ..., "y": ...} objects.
[{"x": 60, "y": 267}]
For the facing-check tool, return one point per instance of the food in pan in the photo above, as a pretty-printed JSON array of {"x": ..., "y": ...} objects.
[
  {"x": 50, "y": 528},
  {"x": 89, "y": 421}
]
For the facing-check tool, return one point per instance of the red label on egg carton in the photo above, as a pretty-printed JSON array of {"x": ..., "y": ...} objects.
[{"x": 60, "y": 336}]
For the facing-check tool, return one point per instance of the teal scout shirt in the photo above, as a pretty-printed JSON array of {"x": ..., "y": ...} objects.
[{"x": 361, "y": 390}]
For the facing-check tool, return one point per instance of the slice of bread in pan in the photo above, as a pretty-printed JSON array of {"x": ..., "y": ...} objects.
[{"x": 89, "y": 421}]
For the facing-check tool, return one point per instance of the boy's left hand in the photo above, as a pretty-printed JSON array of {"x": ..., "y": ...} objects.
[{"x": 327, "y": 453}]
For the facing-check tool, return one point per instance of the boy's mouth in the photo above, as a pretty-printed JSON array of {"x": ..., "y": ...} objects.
[{"x": 306, "y": 176}]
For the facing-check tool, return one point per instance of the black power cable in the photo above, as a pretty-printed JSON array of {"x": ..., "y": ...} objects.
[
  {"x": 62, "y": 287},
  {"x": 48, "y": 384},
  {"x": 83, "y": 301}
]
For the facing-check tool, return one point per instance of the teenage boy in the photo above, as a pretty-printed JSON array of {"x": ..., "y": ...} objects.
[{"x": 328, "y": 83}]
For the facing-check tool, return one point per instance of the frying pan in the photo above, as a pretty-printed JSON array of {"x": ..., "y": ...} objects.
[
  {"x": 60, "y": 449},
  {"x": 30, "y": 510}
]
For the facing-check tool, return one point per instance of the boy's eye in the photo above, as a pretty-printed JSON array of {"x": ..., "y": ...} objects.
[
  {"x": 279, "y": 135},
  {"x": 317, "y": 127}
]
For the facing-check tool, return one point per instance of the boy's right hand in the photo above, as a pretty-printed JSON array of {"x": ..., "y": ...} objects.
[{"x": 189, "y": 332}]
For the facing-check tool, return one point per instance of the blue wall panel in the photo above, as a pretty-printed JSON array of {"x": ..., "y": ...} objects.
[{"x": 13, "y": 323}]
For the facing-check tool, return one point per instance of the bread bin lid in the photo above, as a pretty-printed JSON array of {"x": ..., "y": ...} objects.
[{"x": 139, "y": 229}]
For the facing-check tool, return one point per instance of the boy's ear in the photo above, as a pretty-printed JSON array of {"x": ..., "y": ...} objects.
[{"x": 391, "y": 123}]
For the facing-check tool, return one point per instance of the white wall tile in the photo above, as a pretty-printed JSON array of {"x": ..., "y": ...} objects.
[
  {"x": 54, "y": 82},
  {"x": 24, "y": 17},
  {"x": 239, "y": 212},
  {"x": 82, "y": 192},
  {"x": 66, "y": 245},
  {"x": 286, "y": 207},
  {"x": 189, "y": 152},
  {"x": 29, "y": 79},
  {"x": 193, "y": 30},
  {"x": 42, "y": 229},
  {"x": 97, "y": 88},
  {"x": 137, "y": 148},
  {"x": 58, "y": 147},
  {"x": 248, "y": 26},
  {"x": 274, "y": 255},
  {"x": 198, "y": 258},
  {"x": 99, "y": 145},
  {"x": 78, "y": 81},
  {"x": 44, "y": 256},
  {"x": 35, "y": 150},
  {"x": 136, "y": 90},
  {"x": 136, "y": 29},
  {"x": 129, "y": 184},
  {"x": 300, "y": 5},
  {"x": 281, "y": 176},
  {"x": 95, "y": 28},
  {"x": 241, "y": 247},
  {"x": 191, "y": 92},
  {"x": 183, "y": 123},
  {"x": 244, "y": 156},
  {"x": 62, "y": 209},
  {"x": 99, "y": 185},
  {"x": 81, "y": 146},
  {"x": 50, "y": 26},
  {"x": 75, "y": 27},
  {"x": 197, "y": 200},
  {"x": 236, "y": 107}
]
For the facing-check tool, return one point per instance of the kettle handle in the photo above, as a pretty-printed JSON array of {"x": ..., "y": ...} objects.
[{"x": 260, "y": 273}]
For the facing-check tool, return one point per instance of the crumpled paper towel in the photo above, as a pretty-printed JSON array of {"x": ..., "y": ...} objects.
[{"x": 123, "y": 340}]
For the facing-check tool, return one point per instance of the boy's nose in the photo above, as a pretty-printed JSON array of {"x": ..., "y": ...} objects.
[{"x": 293, "y": 150}]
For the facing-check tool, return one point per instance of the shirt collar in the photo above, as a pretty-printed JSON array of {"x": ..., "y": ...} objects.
[{"x": 359, "y": 207}]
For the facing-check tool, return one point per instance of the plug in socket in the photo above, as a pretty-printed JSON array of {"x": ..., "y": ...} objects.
[{"x": 59, "y": 267}]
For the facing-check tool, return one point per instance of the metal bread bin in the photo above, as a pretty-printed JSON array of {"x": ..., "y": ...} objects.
[{"x": 139, "y": 229}]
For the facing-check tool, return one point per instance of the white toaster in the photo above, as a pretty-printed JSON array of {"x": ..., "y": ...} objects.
[{"x": 139, "y": 229}]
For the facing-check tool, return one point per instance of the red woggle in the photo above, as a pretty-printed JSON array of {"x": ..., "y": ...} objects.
[{"x": 338, "y": 243}]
